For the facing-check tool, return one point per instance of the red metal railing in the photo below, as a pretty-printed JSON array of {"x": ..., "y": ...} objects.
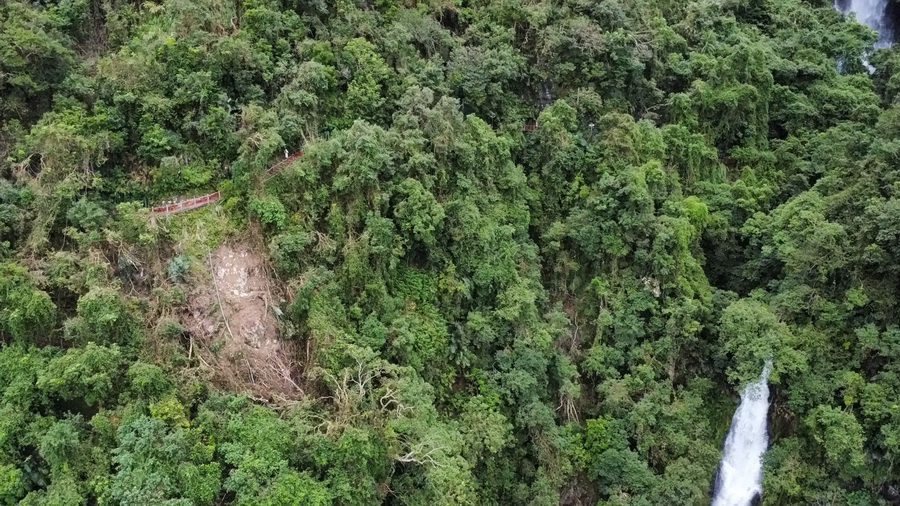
[
  {"x": 197, "y": 202},
  {"x": 187, "y": 205},
  {"x": 278, "y": 167}
]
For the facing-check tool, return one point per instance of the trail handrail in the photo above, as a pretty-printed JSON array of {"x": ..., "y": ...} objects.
[
  {"x": 204, "y": 200},
  {"x": 187, "y": 205},
  {"x": 278, "y": 167}
]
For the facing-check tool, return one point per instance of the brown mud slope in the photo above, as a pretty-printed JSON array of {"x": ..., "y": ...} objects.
[{"x": 232, "y": 319}]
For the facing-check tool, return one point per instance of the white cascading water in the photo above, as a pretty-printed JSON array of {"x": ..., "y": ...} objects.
[
  {"x": 872, "y": 13},
  {"x": 739, "y": 481}
]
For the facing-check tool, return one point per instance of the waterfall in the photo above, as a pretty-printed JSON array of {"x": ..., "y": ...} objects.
[
  {"x": 872, "y": 13},
  {"x": 739, "y": 481}
]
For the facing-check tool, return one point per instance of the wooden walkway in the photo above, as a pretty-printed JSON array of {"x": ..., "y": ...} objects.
[{"x": 204, "y": 200}]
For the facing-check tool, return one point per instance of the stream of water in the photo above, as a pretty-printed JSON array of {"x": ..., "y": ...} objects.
[
  {"x": 739, "y": 481},
  {"x": 872, "y": 13}
]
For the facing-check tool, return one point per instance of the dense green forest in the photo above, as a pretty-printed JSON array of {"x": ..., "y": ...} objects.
[{"x": 532, "y": 251}]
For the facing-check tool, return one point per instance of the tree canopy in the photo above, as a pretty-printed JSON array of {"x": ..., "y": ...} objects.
[{"x": 531, "y": 254}]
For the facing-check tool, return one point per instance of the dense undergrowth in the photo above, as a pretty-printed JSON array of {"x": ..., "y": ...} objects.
[{"x": 488, "y": 315}]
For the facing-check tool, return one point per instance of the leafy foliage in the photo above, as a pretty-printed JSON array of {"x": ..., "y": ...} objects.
[{"x": 531, "y": 253}]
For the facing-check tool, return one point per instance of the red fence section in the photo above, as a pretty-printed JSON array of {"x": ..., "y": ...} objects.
[
  {"x": 196, "y": 202},
  {"x": 187, "y": 205},
  {"x": 278, "y": 167}
]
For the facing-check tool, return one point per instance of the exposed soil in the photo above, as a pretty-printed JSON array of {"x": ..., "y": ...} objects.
[{"x": 234, "y": 327}]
